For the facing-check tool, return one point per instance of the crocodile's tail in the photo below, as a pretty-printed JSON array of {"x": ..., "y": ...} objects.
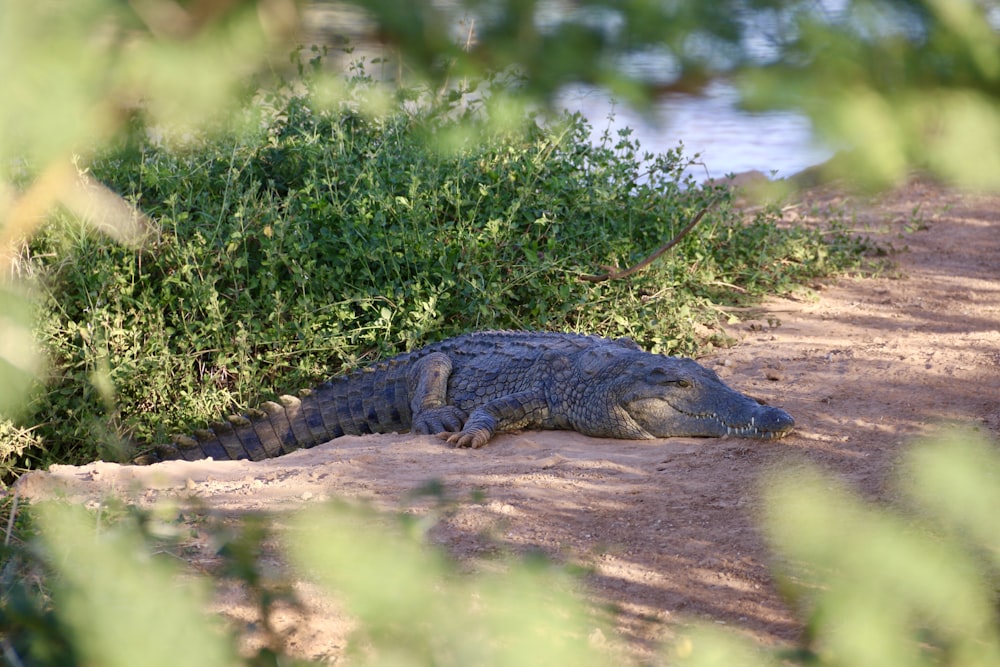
[
  {"x": 366, "y": 402},
  {"x": 274, "y": 429}
]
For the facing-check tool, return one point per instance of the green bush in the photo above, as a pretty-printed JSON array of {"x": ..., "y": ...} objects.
[{"x": 314, "y": 238}]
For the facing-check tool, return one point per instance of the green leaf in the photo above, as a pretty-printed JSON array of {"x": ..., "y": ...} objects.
[
  {"x": 122, "y": 606},
  {"x": 21, "y": 360}
]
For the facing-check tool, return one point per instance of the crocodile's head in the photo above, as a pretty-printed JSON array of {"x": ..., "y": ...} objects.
[
  {"x": 678, "y": 397},
  {"x": 655, "y": 396}
]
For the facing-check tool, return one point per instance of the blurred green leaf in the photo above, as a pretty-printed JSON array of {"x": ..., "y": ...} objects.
[
  {"x": 956, "y": 480},
  {"x": 123, "y": 606},
  {"x": 900, "y": 84},
  {"x": 413, "y": 608},
  {"x": 706, "y": 646},
  {"x": 876, "y": 577},
  {"x": 21, "y": 361},
  {"x": 877, "y": 585}
]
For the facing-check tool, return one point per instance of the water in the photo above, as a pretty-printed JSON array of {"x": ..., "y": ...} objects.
[{"x": 728, "y": 139}]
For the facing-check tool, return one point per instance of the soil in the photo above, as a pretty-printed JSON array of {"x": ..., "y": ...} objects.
[{"x": 665, "y": 529}]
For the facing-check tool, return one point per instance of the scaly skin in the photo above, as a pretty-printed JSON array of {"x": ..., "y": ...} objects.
[{"x": 468, "y": 388}]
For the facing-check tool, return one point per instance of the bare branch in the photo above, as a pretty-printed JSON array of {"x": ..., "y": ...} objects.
[{"x": 615, "y": 275}]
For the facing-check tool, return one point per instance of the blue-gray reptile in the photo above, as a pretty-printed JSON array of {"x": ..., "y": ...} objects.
[{"x": 470, "y": 387}]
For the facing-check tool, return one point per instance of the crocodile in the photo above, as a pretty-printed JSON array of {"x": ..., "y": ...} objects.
[{"x": 468, "y": 388}]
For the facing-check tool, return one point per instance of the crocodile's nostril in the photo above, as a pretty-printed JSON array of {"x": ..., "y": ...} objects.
[{"x": 775, "y": 419}]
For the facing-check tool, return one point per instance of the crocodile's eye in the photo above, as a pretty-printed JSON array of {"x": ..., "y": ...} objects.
[{"x": 660, "y": 376}]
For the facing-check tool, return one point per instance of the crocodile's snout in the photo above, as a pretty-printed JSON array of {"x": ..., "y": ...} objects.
[
  {"x": 768, "y": 423},
  {"x": 679, "y": 397}
]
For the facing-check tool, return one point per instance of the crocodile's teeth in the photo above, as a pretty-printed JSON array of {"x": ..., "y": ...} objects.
[{"x": 743, "y": 431}]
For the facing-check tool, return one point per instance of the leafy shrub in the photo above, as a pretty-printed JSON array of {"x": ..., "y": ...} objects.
[{"x": 314, "y": 238}]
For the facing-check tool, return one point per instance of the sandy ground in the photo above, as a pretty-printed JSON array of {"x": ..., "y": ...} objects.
[{"x": 666, "y": 528}]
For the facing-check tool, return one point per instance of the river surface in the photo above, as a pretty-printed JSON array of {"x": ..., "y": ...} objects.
[{"x": 728, "y": 139}]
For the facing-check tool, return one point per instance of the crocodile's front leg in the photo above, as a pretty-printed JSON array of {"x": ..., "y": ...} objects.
[
  {"x": 429, "y": 403},
  {"x": 507, "y": 413}
]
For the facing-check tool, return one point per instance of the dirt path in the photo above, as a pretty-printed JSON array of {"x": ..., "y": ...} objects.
[{"x": 666, "y": 527}]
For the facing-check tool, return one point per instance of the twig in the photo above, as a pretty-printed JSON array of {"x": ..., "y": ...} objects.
[
  {"x": 13, "y": 659},
  {"x": 659, "y": 251},
  {"x": 28, "y": 210},
  {"x": 10, "y": 519},
  {"x": 62, "y": 183}
]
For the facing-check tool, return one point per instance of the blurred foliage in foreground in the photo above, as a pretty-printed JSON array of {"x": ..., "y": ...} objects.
[
  {"x": 913, "y": 584},
  {"x": 74, "y": 75},
  {"x": 907, "y": 81},
  {"x": 902, "y": 83}
]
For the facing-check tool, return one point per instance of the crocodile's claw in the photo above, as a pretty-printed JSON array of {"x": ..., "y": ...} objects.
[
  {"x": 436, "y": 420},
  {"x": 471, "y": 438}
]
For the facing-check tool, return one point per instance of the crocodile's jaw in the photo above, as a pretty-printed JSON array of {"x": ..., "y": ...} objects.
[
  {"x": 760, "y": 422},
  {"x": 764, "y": 424}
]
